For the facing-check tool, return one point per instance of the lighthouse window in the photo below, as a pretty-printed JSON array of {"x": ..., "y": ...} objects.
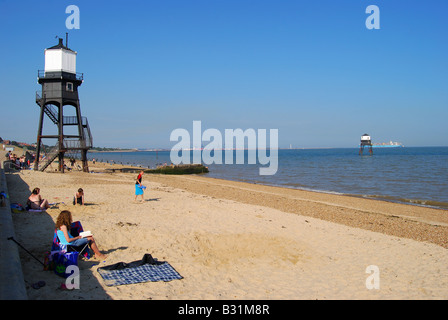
[{"x": 69, "y": 86}]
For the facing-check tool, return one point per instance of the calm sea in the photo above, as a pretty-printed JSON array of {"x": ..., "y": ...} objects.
[{"x": 417, "y": 175}]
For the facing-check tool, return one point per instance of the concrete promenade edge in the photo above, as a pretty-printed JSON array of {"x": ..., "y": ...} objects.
[{"x": 12, "y": 283}]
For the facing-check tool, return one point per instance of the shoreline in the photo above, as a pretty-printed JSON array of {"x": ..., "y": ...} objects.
[
  {"x": 376, "y": 215},
  {"x": 380, "y": 208},
  {"x": 412, "y": 202},
  {"x": 431, "y": 200},
  {"x": 417, "y": 213}
]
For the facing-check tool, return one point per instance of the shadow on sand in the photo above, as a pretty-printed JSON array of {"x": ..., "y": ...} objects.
[{"x": 34, "y": 231}]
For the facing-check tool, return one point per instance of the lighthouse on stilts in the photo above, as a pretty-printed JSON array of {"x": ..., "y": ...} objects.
[
  {"x": 59, "y": 101},
  {"x": 365, "y": 141}
]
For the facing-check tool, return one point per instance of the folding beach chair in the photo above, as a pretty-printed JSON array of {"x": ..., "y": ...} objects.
[{"x": 75, "y": 229}]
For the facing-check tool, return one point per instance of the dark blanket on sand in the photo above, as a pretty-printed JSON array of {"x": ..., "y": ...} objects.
[{"x": 146, "y": 269}]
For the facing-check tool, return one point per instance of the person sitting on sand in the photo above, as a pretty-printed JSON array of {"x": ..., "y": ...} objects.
[
  {"x": 63, "y": 223},
  {"x": 36, "y": 202},
  {"x": 79, "y": 197}
]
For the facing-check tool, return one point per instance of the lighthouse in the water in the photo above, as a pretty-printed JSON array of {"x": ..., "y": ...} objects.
[{"x": 365, "y": 141}]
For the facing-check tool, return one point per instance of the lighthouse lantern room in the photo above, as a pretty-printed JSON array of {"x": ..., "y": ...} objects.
[{"x": 60, "y": 59}]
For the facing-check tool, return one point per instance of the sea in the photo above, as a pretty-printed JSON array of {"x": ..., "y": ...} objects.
[{"x": 412, "y": 175}]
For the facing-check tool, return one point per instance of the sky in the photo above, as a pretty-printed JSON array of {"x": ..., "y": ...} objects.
[{"x": 311, "y": 69}]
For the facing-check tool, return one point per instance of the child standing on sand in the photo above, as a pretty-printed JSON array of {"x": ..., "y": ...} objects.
[{"x": 139, "y": 187}]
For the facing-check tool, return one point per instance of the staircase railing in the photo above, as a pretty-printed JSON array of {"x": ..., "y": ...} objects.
[
  {"x": 50, "y": 157},
  {"x": 87, "y": 133}
]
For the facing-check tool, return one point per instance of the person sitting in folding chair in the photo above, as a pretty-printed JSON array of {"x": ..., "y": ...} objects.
[
  {"x": 63, "y": 225},
  {"x": 75, "y": 229}
]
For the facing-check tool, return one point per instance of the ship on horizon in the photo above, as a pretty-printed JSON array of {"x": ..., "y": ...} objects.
[{"x": 390, "y": 144}]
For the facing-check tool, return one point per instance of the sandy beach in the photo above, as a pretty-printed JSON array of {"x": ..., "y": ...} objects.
[{"x": 233, "y": 240}]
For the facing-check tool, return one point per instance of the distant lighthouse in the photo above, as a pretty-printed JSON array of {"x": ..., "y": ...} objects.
[{"x": 365, "y": 141}]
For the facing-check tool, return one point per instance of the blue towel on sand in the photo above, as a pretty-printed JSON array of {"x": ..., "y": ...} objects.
[{"x": 144, "y": 270}]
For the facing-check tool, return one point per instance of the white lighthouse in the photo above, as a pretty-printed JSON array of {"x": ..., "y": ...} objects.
[{"x": 60, "y": 84}]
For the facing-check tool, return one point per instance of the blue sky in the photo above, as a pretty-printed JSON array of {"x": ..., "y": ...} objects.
[{"x": 310, "y": 69}]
